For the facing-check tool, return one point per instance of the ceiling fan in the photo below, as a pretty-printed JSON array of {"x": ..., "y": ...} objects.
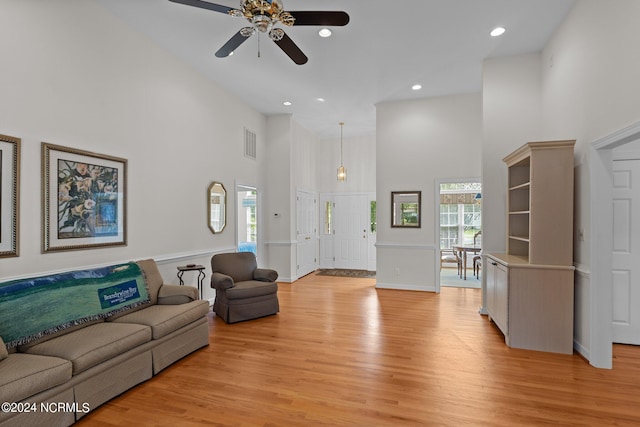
[{"x": 263, "y": 16}]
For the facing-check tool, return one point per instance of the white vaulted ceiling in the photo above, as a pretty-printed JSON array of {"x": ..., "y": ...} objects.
[{"x": 387, "y": 47}]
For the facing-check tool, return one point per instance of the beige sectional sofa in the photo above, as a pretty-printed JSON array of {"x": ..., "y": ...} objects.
[{"x": 60, "y": 377}]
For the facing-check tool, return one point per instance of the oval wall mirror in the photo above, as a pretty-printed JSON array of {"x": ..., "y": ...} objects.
[{"x": 217, "y": 207}]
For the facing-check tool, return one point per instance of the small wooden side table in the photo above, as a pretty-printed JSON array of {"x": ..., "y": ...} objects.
[{"x": 192, "y": 267}]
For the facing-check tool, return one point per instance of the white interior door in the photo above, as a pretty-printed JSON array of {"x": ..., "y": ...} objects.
[
  {"x": 372, "y": 228},
  {"x": 307, "y": 242},
  {"x": 626, "y": 256},
  {"x": 351, "y": 224}
]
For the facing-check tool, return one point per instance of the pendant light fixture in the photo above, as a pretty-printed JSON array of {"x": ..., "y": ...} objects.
[{"x": 342, "y": 172}]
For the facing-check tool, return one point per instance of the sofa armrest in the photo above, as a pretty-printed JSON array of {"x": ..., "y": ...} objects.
[
  {"x": 175, "y": 294},
  {"x": 221, "y": 281},
  {"x": 3, "y": 350},
  {"x": 265, "y": 275}
]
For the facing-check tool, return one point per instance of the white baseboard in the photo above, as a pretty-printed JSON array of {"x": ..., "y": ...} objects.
[{"x": 403, "y": 287}]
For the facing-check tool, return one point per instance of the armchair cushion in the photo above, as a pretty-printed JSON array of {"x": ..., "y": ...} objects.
[
  {"x": 251, "y": 288},
  {"x": 240, "y": 265}
]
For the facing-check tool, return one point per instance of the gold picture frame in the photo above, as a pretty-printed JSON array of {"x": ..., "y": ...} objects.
[
  {"x": 9, "y": 196},
  {"x": 84, "y": 199}
]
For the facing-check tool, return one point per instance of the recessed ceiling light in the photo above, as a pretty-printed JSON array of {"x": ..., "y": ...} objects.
[
  {"x": 286, "y": 103},
  {"x": 325, "y": 32},
  {"x": 498, "y": 31},
  {"x": 320, "y": 99},
  {"x": 416, "y": 87}
]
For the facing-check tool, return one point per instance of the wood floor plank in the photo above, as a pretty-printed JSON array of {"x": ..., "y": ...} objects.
[{"x": 343, "y": 353}]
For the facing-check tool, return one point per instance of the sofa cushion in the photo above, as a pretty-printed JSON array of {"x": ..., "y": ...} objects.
[
  {"x": 23, "y": 375},
  {"x": 46, "y": 337},
  {"x": 3, "y": 350},
  {"x": 90, "y": 346},
  {"x": 251, "y": 288},
  {"x": 164, "y": 319}
]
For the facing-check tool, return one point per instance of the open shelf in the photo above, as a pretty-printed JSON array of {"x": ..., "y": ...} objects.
[
  {"x": 524, "y": 186},
  {"x": 529, "y": 290}
]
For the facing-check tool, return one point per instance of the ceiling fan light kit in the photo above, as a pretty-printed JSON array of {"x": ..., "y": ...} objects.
[{"x": 263, "y": 15}]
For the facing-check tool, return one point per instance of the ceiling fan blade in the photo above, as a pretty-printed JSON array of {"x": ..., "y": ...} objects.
[
  {"x": 292, "y": 50},
  {"x": 335, "y": 19},
  {"x": 205, "y": 5},
  {"x": 231, "y": 45}
]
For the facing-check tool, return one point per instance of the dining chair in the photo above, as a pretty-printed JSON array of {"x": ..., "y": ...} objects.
[
  {"x": 477, "y": 259},
  {"x": 451, "y": 256}
]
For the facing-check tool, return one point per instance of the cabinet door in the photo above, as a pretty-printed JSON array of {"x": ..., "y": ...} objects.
[
  {"x": 501, "y": 298},
  {"x": 490, "y": 272}
]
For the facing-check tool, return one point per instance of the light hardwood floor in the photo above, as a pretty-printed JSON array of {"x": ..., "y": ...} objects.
[{"x": 342, "y": 353}]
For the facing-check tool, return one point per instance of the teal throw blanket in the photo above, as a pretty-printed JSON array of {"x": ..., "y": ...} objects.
[{"x": 32, "y": 308}]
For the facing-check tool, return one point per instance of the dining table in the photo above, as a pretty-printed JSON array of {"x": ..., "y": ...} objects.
[{"x": 462, "y": 251}]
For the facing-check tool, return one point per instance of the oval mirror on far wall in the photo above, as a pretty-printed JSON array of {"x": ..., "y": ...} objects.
[{"x": 217, "y": 207}]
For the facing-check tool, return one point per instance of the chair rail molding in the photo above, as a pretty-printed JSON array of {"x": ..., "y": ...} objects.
[{"x": 395, "y": 245}]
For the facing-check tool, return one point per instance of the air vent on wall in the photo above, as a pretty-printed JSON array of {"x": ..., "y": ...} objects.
[{"x": 249, "y": 144}]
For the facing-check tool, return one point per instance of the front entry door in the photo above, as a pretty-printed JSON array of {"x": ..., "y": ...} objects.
[
  {"x": 626, "y": 254},
  {"x": 351, "y": 214}
]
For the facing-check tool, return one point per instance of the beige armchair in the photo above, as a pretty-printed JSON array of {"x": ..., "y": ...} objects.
[{"x": 243, "y": 291}]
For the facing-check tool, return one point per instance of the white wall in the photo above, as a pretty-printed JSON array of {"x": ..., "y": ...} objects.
[
  {"x": 511, "y": 116},
  {"x": 359, "y": 158},
  {"x": 76, "y": 76},
  {"x": 583, "y": 86},
  {"x": 280, "y": 210},
  {"x": 591, "y": 85},
  {"x": 297, "y": 160},
  {"x": 591, "y": 89},
  {"x": 419, "y": 142},
  {"x": 292, "y": 162}
]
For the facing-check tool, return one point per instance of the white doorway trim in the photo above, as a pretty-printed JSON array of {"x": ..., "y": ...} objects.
[
  {"x": 436, "y": 225},
  {"x": 259, "y": 236},
  {"x": 601, "y": 225}
]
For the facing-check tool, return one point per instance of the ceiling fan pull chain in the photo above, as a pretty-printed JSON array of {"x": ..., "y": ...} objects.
[{"x": 258, "y": 44}]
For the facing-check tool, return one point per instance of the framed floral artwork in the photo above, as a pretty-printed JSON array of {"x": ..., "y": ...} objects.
[
  {"x": 84, "y": 199},
  {"x": 9, "y": 195}
]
